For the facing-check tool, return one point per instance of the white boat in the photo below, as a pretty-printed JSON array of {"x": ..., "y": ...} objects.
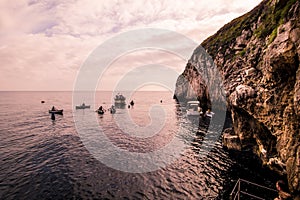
[
  {"x": 83, "y": 106},
  {"x": 120, "y": 99},
  {"x": 193, "y": 108}
]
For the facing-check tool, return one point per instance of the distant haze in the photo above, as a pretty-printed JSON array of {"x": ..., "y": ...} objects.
[{"x": 44, "y": 43}]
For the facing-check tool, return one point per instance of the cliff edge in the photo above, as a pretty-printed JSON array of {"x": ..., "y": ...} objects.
[{"x": 257, "y": 56}]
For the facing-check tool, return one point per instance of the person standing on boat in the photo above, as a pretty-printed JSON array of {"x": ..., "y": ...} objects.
[{"x": 53, "y": 108}]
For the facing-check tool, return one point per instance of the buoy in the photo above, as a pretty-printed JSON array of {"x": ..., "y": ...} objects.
[{"x": 42, "y": 101}]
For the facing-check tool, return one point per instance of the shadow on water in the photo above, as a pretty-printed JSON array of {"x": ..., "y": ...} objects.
[
  {"x": 244, "y": 165},
  {"x": 249, "y": 167}
]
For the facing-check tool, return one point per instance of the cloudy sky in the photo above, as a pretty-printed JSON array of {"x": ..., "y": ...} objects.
[{"x": 43, "y": 43}]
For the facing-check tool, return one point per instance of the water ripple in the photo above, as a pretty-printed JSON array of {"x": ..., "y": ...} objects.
[{"x": 41, "y": 159}]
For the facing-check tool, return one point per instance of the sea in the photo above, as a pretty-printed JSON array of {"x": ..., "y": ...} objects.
[{"x": 151, "y": 150}]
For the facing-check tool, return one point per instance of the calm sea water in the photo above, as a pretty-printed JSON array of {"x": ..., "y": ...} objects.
[{"x": 45, "y": 159}]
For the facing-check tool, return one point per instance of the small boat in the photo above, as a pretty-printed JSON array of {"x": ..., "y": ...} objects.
[
  {"x": 60, "y": 112},
  {"x": 83, "y": 106},
  {"x": 193, "y": 108},
  {"x": 112, "y": 110},
  {"x": 100, "y": 112}
]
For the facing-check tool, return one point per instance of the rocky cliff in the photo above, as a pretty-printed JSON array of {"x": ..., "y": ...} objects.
[{"x": 257, "y": 56}]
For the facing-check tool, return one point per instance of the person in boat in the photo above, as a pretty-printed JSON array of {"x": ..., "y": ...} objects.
[
  {"x": 283, "y": 191},
  {"x": 112, "y": 109},
  {"x": 209, "y": 112},
  {"x": 100, "y": 108},
  {"x": 199, "y": 109},
  {"x": 53, "y": 108}
]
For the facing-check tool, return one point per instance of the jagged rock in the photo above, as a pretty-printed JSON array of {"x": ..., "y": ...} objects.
[
  {"x": 231, "y": 142},
  {"x": 242, "y": 92},
  {"x": 277, "y": 165},
  {"x": 250, "y": 72},
  {"x": 261, "y": 82},
  {"x": 241, "y": 41}
]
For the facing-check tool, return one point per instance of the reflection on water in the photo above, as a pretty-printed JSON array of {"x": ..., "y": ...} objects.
[{"x": 41, "y": 159}]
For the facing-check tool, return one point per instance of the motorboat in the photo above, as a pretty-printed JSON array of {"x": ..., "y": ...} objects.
[
  {"x": 120, "y": 100},
  {"x": 83, "y": 106},
  {"x": 193, "y": 108}
]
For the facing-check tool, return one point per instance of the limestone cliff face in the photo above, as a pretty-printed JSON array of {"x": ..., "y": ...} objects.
[{"x": 258, "y": 58}]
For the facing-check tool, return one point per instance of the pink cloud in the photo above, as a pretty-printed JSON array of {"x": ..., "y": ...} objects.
[{"x": 44, "y": 43}]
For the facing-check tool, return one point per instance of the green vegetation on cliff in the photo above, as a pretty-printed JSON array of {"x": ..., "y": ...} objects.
[
  {"x": 263, "y": 21},
  {"x": 273, "y": 17}
]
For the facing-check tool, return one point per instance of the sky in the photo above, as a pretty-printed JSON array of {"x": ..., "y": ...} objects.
[{"x": 44, "y": 43}]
